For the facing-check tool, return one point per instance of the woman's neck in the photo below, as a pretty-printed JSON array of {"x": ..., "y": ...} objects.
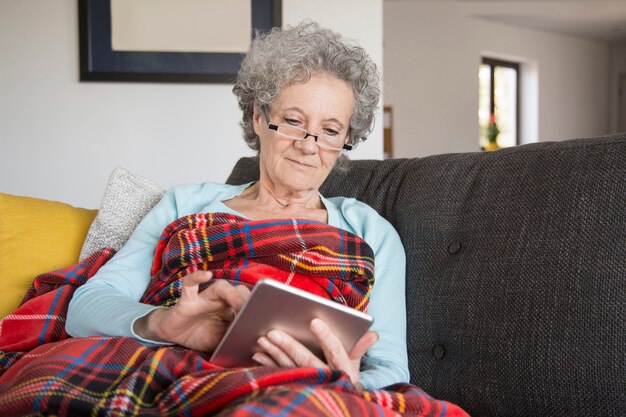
[
  {"x": 273, "y": 198},
  {"x": 262, "y": 202}
]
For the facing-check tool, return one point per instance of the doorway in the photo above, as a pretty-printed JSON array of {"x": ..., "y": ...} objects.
[{"x": 621, "y": 92}]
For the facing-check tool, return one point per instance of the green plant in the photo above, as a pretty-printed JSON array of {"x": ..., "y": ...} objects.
[{"x": 492, "y": 131}]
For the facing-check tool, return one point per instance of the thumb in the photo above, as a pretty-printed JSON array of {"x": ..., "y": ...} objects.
[
  {"x": 363, "y": 345},
  {"x": 191, "y": 282}
]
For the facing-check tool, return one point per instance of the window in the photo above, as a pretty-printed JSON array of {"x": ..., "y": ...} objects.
[{"x": 498, "y": 94}]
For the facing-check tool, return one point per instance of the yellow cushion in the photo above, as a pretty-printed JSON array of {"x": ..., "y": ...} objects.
[{"x": 36, "y": 236}]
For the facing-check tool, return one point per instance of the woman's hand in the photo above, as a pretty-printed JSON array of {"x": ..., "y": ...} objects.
[
  {"x": 280, "y": 349},
  {"x": 200, "y": 318}
]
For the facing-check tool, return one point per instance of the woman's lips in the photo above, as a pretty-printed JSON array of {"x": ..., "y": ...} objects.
[{"x": 302, "y": 164}]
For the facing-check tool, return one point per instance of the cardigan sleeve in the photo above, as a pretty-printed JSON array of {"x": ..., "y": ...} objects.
[
  {"x": 386, "y": 362},
  {"x": 108, "y": 303}
]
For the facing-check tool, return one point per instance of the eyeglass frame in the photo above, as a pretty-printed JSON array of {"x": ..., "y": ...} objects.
[{"x": 274, "y": 127}]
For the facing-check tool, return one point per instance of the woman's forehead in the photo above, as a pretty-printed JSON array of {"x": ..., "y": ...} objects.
[{"x": 321, "y": 94}]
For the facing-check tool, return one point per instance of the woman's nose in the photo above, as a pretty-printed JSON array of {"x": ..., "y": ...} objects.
[{"x": 308, "y": 145}]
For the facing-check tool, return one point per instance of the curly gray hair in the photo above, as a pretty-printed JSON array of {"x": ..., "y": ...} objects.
[{"x": 285, "y": 57}]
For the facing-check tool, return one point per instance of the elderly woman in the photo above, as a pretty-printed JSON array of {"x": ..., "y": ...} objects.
[{"x": 307, "y": 97}]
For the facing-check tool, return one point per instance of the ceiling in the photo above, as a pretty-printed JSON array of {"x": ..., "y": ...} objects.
[{"x": 600, "y": 20}]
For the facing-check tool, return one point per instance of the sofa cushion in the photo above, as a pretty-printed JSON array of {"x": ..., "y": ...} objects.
[
  {"x": 127, "y": 199},
  {"x": 515, "y": 272},
  {"x": 36, "y": 236}
]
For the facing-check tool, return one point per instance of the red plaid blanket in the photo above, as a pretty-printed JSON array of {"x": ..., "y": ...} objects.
[
  {"x": 43, "y": 372},
  {"x": 318, "y": 258}
]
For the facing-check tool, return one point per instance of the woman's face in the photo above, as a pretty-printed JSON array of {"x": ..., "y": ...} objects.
[{"x": 322, "y": 104}]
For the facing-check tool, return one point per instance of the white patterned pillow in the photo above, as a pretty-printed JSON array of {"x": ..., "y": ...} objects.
[{"x": 127, "y": 199}]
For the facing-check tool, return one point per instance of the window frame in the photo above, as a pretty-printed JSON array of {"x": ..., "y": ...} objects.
[{"x": 493, "y": 63}]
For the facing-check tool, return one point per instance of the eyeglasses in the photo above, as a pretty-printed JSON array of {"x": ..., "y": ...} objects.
[{"x": 334, "y": 142}]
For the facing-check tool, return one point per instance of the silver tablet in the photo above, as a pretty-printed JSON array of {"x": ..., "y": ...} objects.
[{"x": 274, "y": 305}]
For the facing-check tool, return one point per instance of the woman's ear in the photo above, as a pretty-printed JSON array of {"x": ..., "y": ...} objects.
[
  {"x": 258, "y": 120},
  {"x": 257, "y": 115}
]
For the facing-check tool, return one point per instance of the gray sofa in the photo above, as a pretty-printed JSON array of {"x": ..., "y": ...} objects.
[{"x": 516, "y": 272}]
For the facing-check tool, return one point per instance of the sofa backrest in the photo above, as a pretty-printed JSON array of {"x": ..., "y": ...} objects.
[{"x": 516, "y": 272}]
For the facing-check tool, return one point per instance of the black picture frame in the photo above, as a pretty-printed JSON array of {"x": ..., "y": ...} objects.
[{"x": 98, "y": 62}]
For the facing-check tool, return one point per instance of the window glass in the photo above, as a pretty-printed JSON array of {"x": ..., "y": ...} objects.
[
  {"x": 505, "y": 95},
  {"x": 497, "y": 100},
  {"x": 484, "y": 101}
]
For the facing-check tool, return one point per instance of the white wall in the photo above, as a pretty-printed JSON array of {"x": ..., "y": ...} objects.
[
  {"x": 60, "y": 139},
  {"x": 432, "y": 52}
]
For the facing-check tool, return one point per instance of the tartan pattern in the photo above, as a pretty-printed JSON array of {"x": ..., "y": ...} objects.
[
  {"x": 40, "y": 318},
  {"x": 313, "y": 256},
  {"x": 119, "y": 377},
  {"x": 115, "y": 376}
]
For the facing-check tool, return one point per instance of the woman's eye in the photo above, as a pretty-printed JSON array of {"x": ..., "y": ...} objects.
[
  {"x": 292, "y": 122},
  {"x": 331, "y": 132}
]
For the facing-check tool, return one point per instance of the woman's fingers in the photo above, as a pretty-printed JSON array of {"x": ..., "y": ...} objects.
[
  {"x": 280, "y": 349},
  {"x": 191, "y": 284},
  {"x": 224, "y": 300},
  {"x": 334, "y": 351},
  {"x": 264, "y": 359},
  {"x": 200, "y": 318},
  {"x": 275, "y": 351},
  {"x": 221, "y": 296},
  {"x": 287, "y": 351},
  {"x": 234, "y": 296},
  {"x": 196, "y": 278}
]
